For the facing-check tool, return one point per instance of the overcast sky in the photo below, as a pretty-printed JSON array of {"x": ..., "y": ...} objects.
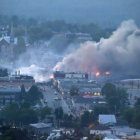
[{"x": 102, "y": 12}]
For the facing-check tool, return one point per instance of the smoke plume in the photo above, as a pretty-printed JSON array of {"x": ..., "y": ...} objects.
[
  {"x": 37, "y": 61},
  {"x": 120, "y": 53}
]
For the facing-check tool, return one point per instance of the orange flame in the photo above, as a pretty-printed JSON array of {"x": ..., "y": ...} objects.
[
  {"x": 51, "y": 76},
  {"x": 97, "y": 74},
  {"x": 107, "y": 72}
]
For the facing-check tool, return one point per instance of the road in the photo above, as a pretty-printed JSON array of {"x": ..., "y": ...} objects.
[{"x": 54, "y": 99}]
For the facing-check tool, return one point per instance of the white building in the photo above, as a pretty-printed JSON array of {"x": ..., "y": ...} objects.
[
  {"x": 7, "y": 45},
  {"x": 107, "y": 119},
  {"x": 132, "y": 87}
]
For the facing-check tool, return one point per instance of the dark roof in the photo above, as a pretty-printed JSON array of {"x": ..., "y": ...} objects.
[
  {"x": 79, "y": 99},
  {"x": 100, "y": 127}
]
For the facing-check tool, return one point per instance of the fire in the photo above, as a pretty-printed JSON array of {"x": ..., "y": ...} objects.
[
  {"x": 97, "y": 74},
  {"x": 51, "y": 76},
  {"x": 107, "y": 72}
]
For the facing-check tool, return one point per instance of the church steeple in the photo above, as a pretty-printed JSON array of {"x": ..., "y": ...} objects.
[{"x": 12, "y": 34}]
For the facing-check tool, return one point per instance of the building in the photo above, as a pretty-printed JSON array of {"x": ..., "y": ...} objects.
[
  {"x": 79, "y": 36},
  {"x": 124, "y": 131},
  {"x": 9, "y": 94},
  {"x": 76, "y": 75},
  {"x": 107, "y": 119},
  {"x": 111, "y": 137},
  {"x": 132, "y": 87},
  {"x": 7, "y": 45},
  {"x": 100, "y": 130},
  {"x": 17, "y": 80},
  {"x": 41, "y": 128},
  {"x": 58, "y": 75}
]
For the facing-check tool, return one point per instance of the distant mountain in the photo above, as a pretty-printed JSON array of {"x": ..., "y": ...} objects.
[{"x": 107, "y": 13}]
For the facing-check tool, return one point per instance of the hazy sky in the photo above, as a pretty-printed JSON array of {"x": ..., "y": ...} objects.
[{"x": 103, "y": 12}]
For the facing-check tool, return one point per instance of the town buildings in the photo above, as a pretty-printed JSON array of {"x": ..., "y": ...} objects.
[
  {"x": 9, "y": 94},
  {"x": 132, "y": 87},
  {"x": 7, "y": 45}
]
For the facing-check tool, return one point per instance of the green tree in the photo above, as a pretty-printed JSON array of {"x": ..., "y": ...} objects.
[
  {"x": 137, "y": 103},
  {"x": 74, "y": 90},
  {"x": 59, "y": 113},
  {"x": 14, "y": 134},
  {"x": 10, "y": 113},
  {"x": 33, "y": 95},
  {"x": 45, "y": 111},
  {"x": 129, "y": 115},
  {"x": 28, "y": 116},
  {"x": 14, "y": 114},
  {"x": 21, "y": 48},
  {"x": 87, "y": 118},
  {"x": 109, "y": 90},
  {"x": 117, "y": 98},
  {"x": 100, "y": 110}
]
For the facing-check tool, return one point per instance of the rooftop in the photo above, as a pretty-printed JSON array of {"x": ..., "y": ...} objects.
[
  {"x": 7, "y": 39},
  {"x": 41, "y": 125},
  {"x": 9, "y": 88},
  {"x": 107, "y": 118}
]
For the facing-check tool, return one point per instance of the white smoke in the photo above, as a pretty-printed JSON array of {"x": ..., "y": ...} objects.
[
  {"x": 119, "y": 53},
  {"x": 37, "y": 61}
]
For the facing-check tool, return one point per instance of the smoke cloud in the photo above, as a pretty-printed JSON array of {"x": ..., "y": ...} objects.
[
  {"x": 37, "y": 61},
  {"x": 120, "y": 53}
]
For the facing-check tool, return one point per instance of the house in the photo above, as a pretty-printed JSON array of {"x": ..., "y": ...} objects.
[
  {"x": 107, "y": 119},
  {"x": 132, "y": 87},
  {"x": 9, "y": 94},
  {"x": 81, "y": 104},
  {"x": 7, "y": 45},
  {"x": 111, "y": 137},
  {"x": 124, "y": 131},
  {"x": 41, "y": 128}
]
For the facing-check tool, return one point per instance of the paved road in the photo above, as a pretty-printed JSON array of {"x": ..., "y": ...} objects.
[{"x": 54, "y": 99}]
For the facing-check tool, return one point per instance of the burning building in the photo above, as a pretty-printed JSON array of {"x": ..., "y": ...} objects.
[{"x": 70, "y": 75}]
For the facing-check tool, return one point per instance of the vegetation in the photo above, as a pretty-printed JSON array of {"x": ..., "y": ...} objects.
[
  {"x": 3, "y": 72},
  {"x": 45, "y": 111},
  {"x": 45, "y": 30},
  {"x": 16, "y": 115},
  {"x": 13, "y": 134},
  {"x": 33, "y": 96},
  {"x": 116, "y": 97},
  {"x": 74, "y": 91},
  {"x": 87, "y": 118}
]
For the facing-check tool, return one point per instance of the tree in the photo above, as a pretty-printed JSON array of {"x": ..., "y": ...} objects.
[
  {"x": 117, "y": 98},
  {"x": 16, "y": 115},
  {"x": 21, "y": 48},
  {"x": 14, "y": 134},
  {"x": 68, "y": 121},
  {"x": 22, "y": 93},
  {"x": 109, "y": 90},
  {"x": 136, "y": 121},
  {"x": 10, "y": 113},
  {"x": 129, "y": 115},
  {"x": 100, "y": 110},
  {"x": 137, "y": 103},
  {"x": 74, "y": 91},
  {"x": 28, "y": 116},
  {"x": 45, "y": 111},
  {"x": 87, "y": 118},
  {"x": 33, "y": 95},
  {"x": 59, "y": 113}
]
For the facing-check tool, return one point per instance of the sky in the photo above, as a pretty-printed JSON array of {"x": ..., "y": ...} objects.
[{"x": 107, "y": 13}]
